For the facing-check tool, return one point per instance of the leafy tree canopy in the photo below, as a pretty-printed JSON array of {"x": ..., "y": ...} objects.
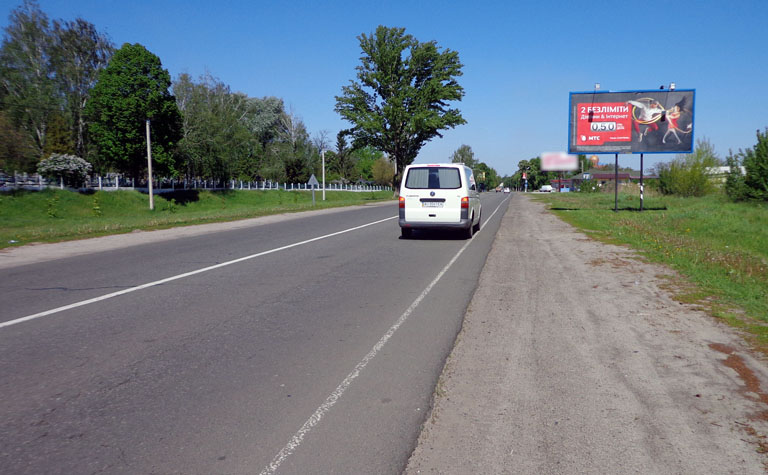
[
  {"x": 401, "y": 97},
  {"x": 131, "y": 89},
  {"x": 465, "y": 155}
]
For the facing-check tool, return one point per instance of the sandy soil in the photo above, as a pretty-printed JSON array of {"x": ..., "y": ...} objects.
[{"x": 573, "y": 359}]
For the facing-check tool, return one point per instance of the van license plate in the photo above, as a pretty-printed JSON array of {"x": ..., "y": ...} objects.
[{"x": 432, "y": 204}]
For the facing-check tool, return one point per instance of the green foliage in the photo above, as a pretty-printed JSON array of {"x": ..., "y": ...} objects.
[
  {"x": 27, "y": 215},
  {"x": 79, "y": 53},
  {"x": 216, "y": 140},
  {"x": 755, "y": 162},
  {"x": 27, "y": 74},
  {"x": 465, "y": 155},
  {"x": 46, "y": 71},
  {"x": 383, "y": 172},
  {"x": 16, "y": 149},
  {"x": 720, "y": 246},
  {"x": 52, "y": 210},
  {"x": 487, "y": 176},
  {"x": 365, "y": 158},
  {"x": 532, "y": 169},
  {"x": 400, "y": 100},
  {"x": 96, "y": 206},
  {"x": 735, "y": 187},
  {"x": 73, "y": 170},
  {"x": 589, "y": 186},
  {"x": 689, "y": 174},
  {"x": 130, "y": 90}
]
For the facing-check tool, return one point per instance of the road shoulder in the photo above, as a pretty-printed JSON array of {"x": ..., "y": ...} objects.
[{"x": 573, "y": 359}]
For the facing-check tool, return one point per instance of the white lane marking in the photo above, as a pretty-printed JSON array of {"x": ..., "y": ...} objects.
[
  {"x": 181, "y": 276},
  {"x": 315, "y": 418}
]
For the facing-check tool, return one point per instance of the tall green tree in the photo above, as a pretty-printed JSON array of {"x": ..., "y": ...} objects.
[
  {"x": 27, "y": 84},
  {"x": 753, "y": 184},
  {"x": 465, "y": 155},
  {"x": 131, "y": 89},
  {"x": 79, "y": 53},
  {"x": 217, "y": 141},
  {"x": 344, "y": 161},
  {"x": 401, "y": 97}
]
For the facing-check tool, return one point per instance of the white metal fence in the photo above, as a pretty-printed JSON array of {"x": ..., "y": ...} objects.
[{"x": 26, "y": 181}]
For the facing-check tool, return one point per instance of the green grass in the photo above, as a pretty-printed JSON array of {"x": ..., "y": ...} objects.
[
  {"x": 719, "y": 246},
  {"x": 55, "y": 215}
]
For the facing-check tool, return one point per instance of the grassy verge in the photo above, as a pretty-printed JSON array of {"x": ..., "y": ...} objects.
[
  {"x": 55, "y": 215},
  {"x": 719, "y": 246}
]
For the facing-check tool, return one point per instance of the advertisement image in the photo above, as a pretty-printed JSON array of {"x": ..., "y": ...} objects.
[{"x": 631, "y": 122}]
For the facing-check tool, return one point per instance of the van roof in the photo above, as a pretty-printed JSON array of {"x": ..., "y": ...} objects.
[{"x": 437, "y": 165}]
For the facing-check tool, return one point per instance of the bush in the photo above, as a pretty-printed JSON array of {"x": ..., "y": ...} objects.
[
  {"x": 688, "y": 175},
  {"x": 69, "y": 168},
  {"x": 752, "y": 181},
  {"x": 589, "y": 186}
]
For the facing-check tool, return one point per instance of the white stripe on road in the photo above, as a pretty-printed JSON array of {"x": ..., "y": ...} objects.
[
  {"x": 181, "y": 276},
  {"x": 315, "y": 418}
]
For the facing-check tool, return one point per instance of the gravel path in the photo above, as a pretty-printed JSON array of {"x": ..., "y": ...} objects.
[{"x": 573, "y": 359}]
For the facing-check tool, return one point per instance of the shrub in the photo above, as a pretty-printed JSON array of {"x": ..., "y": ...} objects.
[
  {"x": 748, "y": 177},
  {"x": 589, "y": 186},
  {"x": 688, "y": 175},
  {"x": 69, "y": 168}
]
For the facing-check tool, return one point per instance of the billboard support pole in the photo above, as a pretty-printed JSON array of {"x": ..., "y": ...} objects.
[
  {"x": 616, "y": 184},
  {"x": 641, "y": 182}
]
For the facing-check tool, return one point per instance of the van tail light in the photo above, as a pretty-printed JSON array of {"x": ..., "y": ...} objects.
[
  {"x": 465, "y": 202},
  {"x": 402, "y": 202}
]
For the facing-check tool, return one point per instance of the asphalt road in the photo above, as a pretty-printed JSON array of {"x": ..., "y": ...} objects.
[{"x": 315, "y": 351}]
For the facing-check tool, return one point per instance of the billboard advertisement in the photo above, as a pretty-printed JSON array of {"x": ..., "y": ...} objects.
[
  {"x": 559, "y": 162},
  {"x": 654, "y": 121}
]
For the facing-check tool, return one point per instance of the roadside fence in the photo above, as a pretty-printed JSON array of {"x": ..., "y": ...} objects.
[{"x": 112, "y": 182}]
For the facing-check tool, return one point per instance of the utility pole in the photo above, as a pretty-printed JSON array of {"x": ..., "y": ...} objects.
[
  {"x": 322, "y": 153},
  {"x": 149, "y": 170}
]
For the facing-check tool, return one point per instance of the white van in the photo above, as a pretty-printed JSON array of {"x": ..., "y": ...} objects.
[{"x": 439, "y": 196}]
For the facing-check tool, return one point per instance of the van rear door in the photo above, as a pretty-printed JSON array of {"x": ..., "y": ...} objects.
[{"x": 433, "y": 194}]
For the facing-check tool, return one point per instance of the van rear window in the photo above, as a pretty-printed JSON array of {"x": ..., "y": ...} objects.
[{"x": 433, "y": 178}]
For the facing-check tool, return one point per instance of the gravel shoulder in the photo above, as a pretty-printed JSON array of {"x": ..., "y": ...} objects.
[{"x": 574, "y": 359}]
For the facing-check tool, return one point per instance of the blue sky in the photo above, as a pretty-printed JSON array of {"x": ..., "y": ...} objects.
[{"x": 521, "y": 58}]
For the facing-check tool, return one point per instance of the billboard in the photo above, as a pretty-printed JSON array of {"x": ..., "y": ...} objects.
[
  {"x": 654, "y": 121},
  {"x": 559, "y": 162}
]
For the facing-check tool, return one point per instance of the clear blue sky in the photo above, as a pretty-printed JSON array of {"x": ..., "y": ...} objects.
[{"x": 521, "y": 59}]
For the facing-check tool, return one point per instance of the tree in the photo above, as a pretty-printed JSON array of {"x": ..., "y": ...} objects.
[
  {"x": 400, "y": 100},
  {"x": 748, "y": 175},
  {"x": 16, "y": 149},
  {"x": 79, "y": 53},
  {"x": 27, "y": 83},
  {"x": 131, "y": 89},
  {"x": 69, "y": 169},
  {"x": 344, "y": 162},
  {"x": 383, "y": 172},
  {"x": 216, "y": 140},
  {"x": 465, "y": 155},
  {"x": 689, "y": 174}
]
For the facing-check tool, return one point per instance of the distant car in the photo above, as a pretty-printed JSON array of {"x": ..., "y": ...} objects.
[
  {"x": 546, "y": 188},
  {"x": 506, "y": 190}
]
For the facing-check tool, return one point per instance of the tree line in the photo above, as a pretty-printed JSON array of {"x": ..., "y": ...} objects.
[
  {"x": 67, "y": 94},
  {"x": 67, "y": 91}
]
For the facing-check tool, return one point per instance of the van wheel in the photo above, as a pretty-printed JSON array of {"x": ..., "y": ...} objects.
[
  {"x": 468, "y": 232},
  {"x": 477, "y": 226},
  {"x": 406, "y": 232}
]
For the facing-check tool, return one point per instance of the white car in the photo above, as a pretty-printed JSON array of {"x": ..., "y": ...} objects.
[
  {"x": 506, "y": 190},
  {"x": 439, "y": 196},
  {"x": 546, "y": 188}
]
